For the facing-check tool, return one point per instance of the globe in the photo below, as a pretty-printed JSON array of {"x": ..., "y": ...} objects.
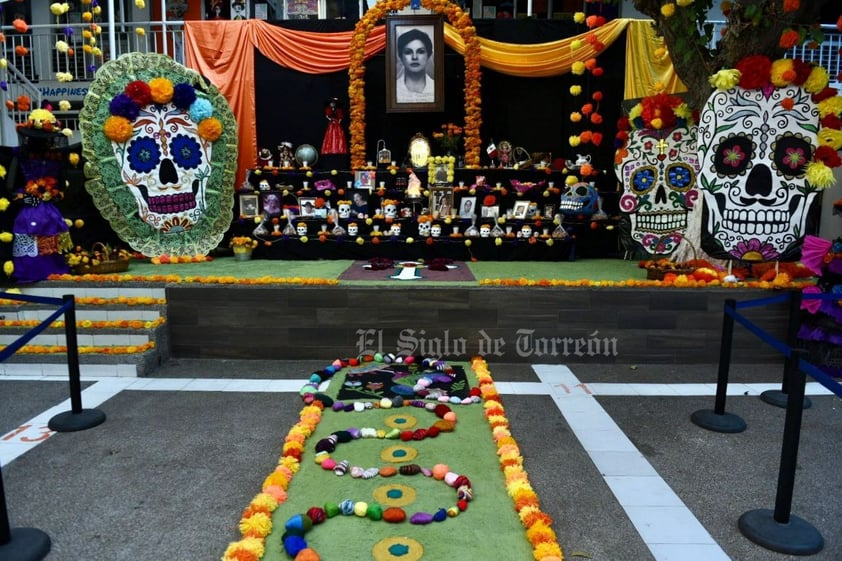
[{"x": 306, "y": 155}]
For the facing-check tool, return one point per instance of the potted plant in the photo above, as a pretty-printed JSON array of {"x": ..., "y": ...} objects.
[{"x": 242, "y": 246}]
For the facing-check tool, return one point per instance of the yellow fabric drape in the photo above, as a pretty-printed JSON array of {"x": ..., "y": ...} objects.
[
  {"x": 538, "y": 60},
  {"x": 643, "y": 69},
  {"x": 223, "y": 52}
]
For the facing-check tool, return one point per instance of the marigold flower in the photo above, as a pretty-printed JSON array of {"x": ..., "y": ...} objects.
[
  {"x": 161, "y": 90},
  {"x": 668, "y": 10},
  {"x": 117, "y": 129}
]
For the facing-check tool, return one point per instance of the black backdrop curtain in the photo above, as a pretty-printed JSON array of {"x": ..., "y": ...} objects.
[{"x": 529, "y": 112}]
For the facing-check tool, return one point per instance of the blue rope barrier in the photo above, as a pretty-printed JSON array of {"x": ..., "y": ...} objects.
[
  {"x": 776, "y": 344},
  {"x": 784, "y": 297},
  {"x": 821, "y": 377},
  {"x": 32, "y": 298}
]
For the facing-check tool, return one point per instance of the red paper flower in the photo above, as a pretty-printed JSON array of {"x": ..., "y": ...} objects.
[
  {"x": 755, "y": 71},
  {"x": 828, "y": 156}
]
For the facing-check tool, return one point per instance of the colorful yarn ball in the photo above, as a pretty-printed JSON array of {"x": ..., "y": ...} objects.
[
  {"x": 433, "y": 432},
  {"x": 450, "y": 478},
  {"x": 294, "y": 544},
  {"x": 409, "y": 359},
  {"x": 317, "y": 515},
  {"x": 439, "y": 471},
  {"x": 453, "y": 512},
  {"x": 328, "y": 464},
  {"x": 331, "y": 509},
  {"x": 440, "y": 515},
  {"x": 410, "y": 469},
  {"x": 343, "y": 436},
  {"x": 388, "y": 471},
  {"x": 361, "y": 508},
  {"x": 421, "y": 518},
  {"x": 394, "y": 515},
  {"x": 465, "y": 493},
  {"x": 346, "y": 507},
  {"x": 307, "y": 554},
  {"x": 461, "y": 481},
  {"x": 374, "y": 512}
]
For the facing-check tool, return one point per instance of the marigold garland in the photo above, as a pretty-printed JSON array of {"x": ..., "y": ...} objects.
[{"x": 464, "y": 25}]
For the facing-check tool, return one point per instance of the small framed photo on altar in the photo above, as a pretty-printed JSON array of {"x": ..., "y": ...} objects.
[
  {"x": 467, "y": 207},
  {"x": 414, "y": 64},
  {"x": 441, "y": 201},
  {"x": 490, "y": 211},
  {"x": 307, "y": 207},
  {"x": 302, "y": 9},
  {"x": 520, "y": 209},
  {"x": 249, "y": 205},
  {"x": 364, "y": 179},
  {"x": 549, "y": 210},
  {"x": 270, "y": 202}
]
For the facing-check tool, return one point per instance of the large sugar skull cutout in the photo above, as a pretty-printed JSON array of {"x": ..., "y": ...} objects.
[
  {"x": 658, "y": 171},
  {"x": 579, "y": 199},
  {"x": 160, "y": 144},
  {"x": 753, "y": 153}
]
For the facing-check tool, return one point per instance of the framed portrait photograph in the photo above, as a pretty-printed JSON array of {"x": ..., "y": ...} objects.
[
  {"x": 441, "y": 201},
  {"x": 364, "y": 179},
  {"x": 239, "y": 9},
  {"x": 359, "y": 203},
  {"x": 249, "y": 205},
  {"x": 270, "y": 202},
  {"x": 307, "y": 207},
  {"x": 490, "y": 211},
  {"x": 549, "y": 210},
  {"x": 520, "y": 209},
  {"x": 414, "y": 64},
  {"x": 467, "y": 207}
]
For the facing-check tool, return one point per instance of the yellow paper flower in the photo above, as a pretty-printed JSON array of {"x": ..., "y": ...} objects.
[
  {"x": 64, "y": 105},
  {"x": 8, "y": 268},
  {"x": 830, "y": 106},
  {"x": 780, "y": 69},
  {"x": 684, "y": 3},
  {"x": 725, "y": 79},
  {"x": 140, "y": 31},
  {"x": 830, "y": 137},
  {"x": 574, "y": 140},
  {"x": 575, "y": 44},
  {"x": 140, "y": 4},
  {"x": 578, "y": 68},
  {"x": 817, "y": 80},
  {"x": 579, "y": 17},
  {"x": 819, "y": 175},
  {"x": 6, "y": 237},
  {"x": 4, "y": 63},
  {"x": 62, "y": 46},
  {"x": 668, "y": 10},
  {"x": 2, "y": 176}
]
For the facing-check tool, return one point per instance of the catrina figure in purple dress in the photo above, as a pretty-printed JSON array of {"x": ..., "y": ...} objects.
[{"x": 41, "y": 234}]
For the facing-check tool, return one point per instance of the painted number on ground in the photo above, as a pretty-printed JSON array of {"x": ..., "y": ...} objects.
[{"x": 28, "y": 433}]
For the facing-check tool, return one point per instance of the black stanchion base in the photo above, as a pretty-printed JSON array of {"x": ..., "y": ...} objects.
[
  {"x": 27, "y": 544},
  {"x": 70, "y": 421},
  {"x": 779, "y": 399},
  {"x": 724, "y": 422},
  {"x": 797, "y": 537}
]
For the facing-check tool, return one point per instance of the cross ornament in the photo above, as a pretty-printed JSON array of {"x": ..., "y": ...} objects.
[{"x": 662, "y": 146}]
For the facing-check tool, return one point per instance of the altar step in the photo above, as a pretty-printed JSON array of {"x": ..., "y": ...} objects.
[{"x": 121, "y": 331}]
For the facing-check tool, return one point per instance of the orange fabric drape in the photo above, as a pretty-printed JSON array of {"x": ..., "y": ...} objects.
[{"x": 223, "y": 52}]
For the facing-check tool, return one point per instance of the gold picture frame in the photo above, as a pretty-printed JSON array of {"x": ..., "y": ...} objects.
[{"x": 441, "y": 201}]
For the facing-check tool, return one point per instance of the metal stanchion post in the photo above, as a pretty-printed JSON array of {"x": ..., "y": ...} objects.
[
  {"x": 779, "y": 397},
  {"x": 779, "y": 530},
  {"x": 718, "y": 420},
  {"x": 19, "y": 544},
  {"x": 77, "y": 418}
]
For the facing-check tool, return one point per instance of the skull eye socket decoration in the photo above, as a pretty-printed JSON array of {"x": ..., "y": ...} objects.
[{"x": 160, "y": 144}]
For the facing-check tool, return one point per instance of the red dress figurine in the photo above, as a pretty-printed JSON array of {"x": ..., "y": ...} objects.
[{"x": 334, "y": 141}]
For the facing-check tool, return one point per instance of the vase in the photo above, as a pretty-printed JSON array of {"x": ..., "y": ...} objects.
[{"x": 242, "y": 253}]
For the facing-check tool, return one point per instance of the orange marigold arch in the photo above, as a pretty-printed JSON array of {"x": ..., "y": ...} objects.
[{"x": 464, "y": 26}]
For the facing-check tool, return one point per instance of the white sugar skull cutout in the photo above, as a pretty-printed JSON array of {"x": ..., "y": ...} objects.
[
  {"x": 396, "y": 229},
  {"x": 485, "y": 231},
  {"x": 424, "y": 227},
  {"x": 390, "y": 208},
  {"x": 525, "y": 231},
  {"x": 353, "y": 229},
  {"x": 658, "y": 172},
  {"x": 301, "y": 229},
  {"x": 344, "y": 209},
  {"x": 657, "y": 166},
  {"x": 756, "y": 143},
  {"x": 435, "y": 230}
]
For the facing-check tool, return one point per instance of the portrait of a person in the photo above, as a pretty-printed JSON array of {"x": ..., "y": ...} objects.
[
  {"x": 307, "y": 209},
  {"x": 466, "y": 209},
  {"x": 359, "y": 205},
  {"x": 272, "y": 204},
  {"x": 415, "y": 82},
  {"x": 238, "y": 10}
]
